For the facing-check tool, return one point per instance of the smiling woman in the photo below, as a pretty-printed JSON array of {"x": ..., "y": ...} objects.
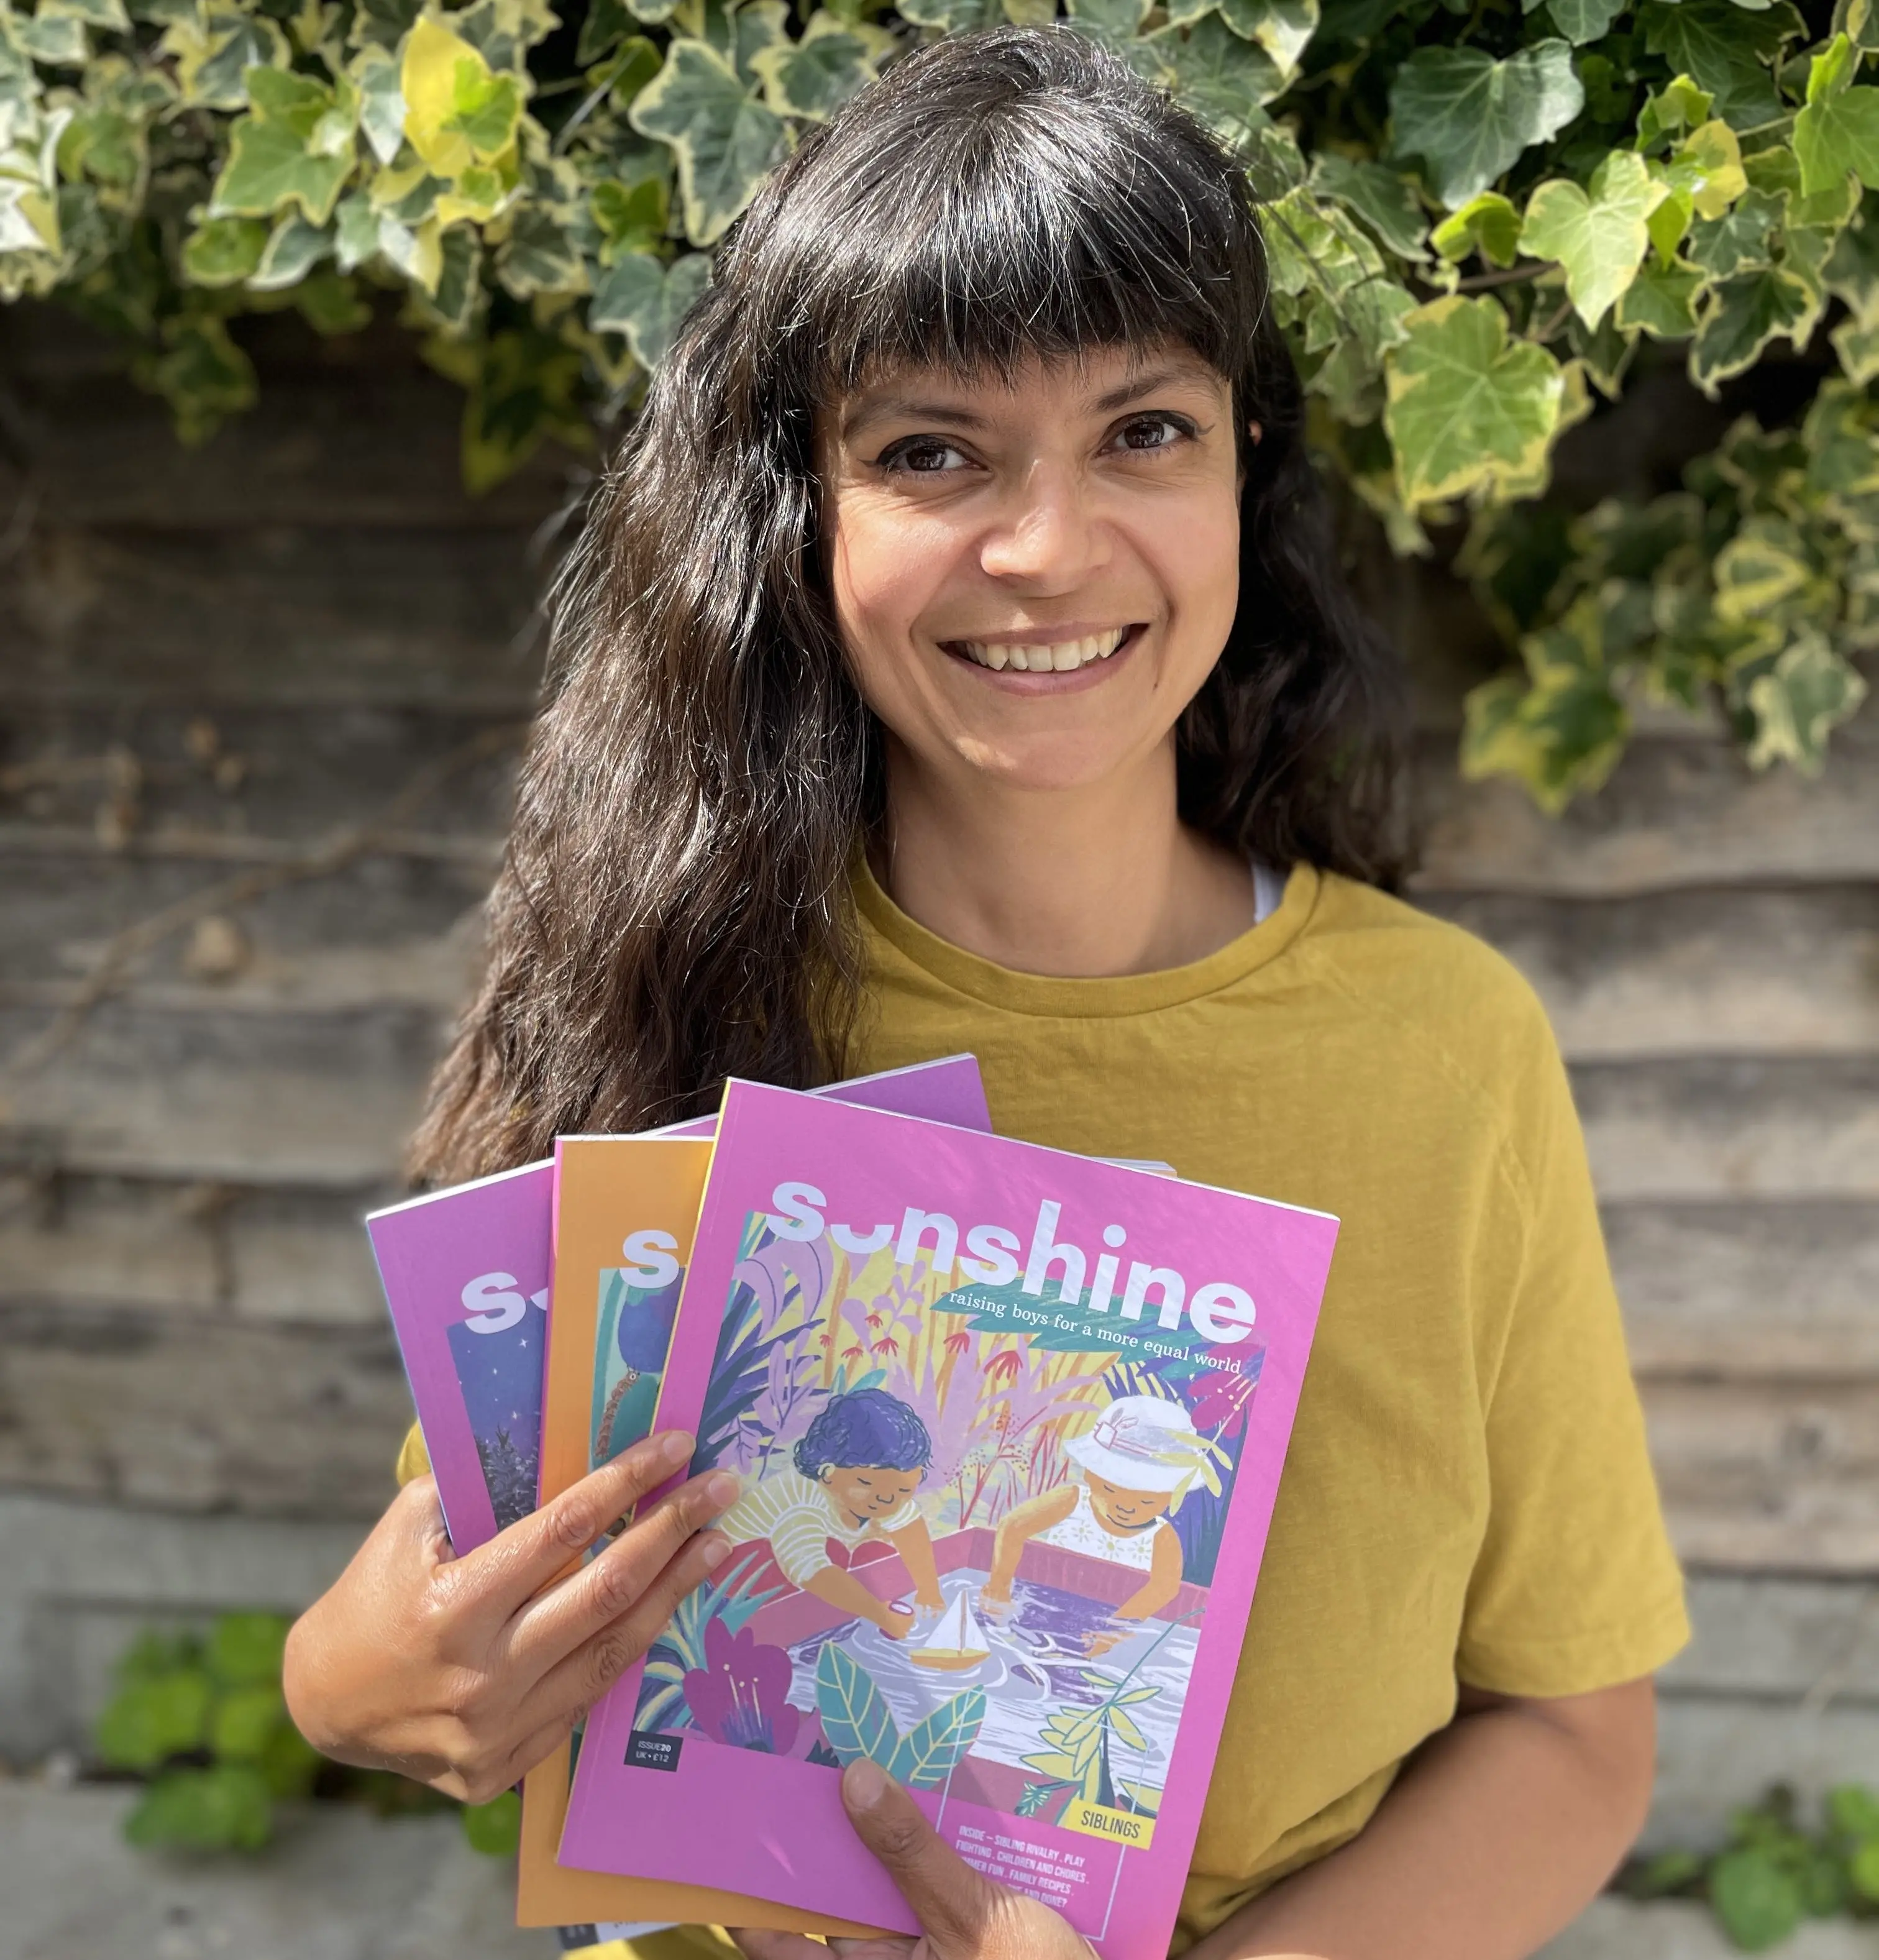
[{"x": 955, "y": 658}]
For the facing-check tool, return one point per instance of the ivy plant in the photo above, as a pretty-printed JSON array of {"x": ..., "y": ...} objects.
[
  {"x": 1485, "y": 218},
  {"x": 201, "y": 1720}
]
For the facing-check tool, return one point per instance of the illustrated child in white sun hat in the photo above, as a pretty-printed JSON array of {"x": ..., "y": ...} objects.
[{"x": 1138, "y": 1462}]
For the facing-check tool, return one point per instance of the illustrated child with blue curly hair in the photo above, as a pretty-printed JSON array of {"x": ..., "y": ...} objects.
[{"x": 857, "y": 1469}]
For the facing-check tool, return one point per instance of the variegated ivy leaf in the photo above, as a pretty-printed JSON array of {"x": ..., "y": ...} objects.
[
  {"x": 54, "y": 41},
  {"x": 459, "y": 112},
  {"x": 631, "y": 217},
  {"x": 375, "y": 75},
  {"x": 502, "y": 31},
  {"x": 1678, "y": 106},
  {"x": 812, "y": 78},
  {"x": 1219, "y": 76},
  {"x": 1808, "y": 693},
  {"x": 1726, "y": 50},
  {"x": 1838, "y": 131},
  {"x": 1597, "y": 234},
  {"x": 224, "y": 251},
  {"x": 1856, "y": 345},
  {"x": 1738, "y": 241},
  {"x": 1661, "y": 300},
  {"x": 458, "y": 297},
  {"x": 294, "y": 248},
  {"x": 107, "y": 16},
  {"x": 295, "y": 147},
  {"x": 382, "y": 24},
  {"x": 1489, "y": 224},
  {"x": 1283, "y": 28},
  {"x": 1116, "y": 22},
  {"x": 355, "y": 231},
  {"x": 1468, "y": 410},
  {"x": 724, "y": 137},
  {"x": 1764, "y": 565},
  {"x": 212, "y": 63},
  {"x": 201, "y": 373},
  {"x": 646, "y": 301},
  {"x": 1580, "y": 21},
  {"x": 1741, "y": 316},
  {"x": 538, "y": 256},
  {"x": 1470, "y": 117},
  {"x": 1387, "y": 203},
  {"x": 30, "y": 222},
  {"x": 606, "y": 23},
  {"x": 951, "y": 17}
]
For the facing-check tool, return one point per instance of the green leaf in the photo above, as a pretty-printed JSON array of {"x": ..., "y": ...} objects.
[
  {"x": 606, "y": 24},
  {"x": 1863, "y": 1869},
  {"x": 1808, "y": 693},
  {"x": 1489, "y": 224},
  {"x": 494, "y": 1828},
  {"x": 724, "y": 138},
  {"x": 1217, "y": 75},
  {"x": 538, "y": 256},
  {"x": 213, "y": 66},
  {"x": 632, "y": 218},
  {"x": 1837, "y": 132},
  {"x": 1117, "y": 22},
  {"x": 1466, "y": 409},
  {"x": 639, "y": 297},
  {"x": 1737, "y": 242},
  {"x": 1387, "y": 203},
  {"x": 1741, "y": 316},
  {"x": 458, "y": 111},
  {"x": 381, "y": 102},
  {"x": 294, "y": 148},
  {"x": 1758, "y": 1902},
  {"x": 1598, "y": 238},
  {"x": 1283, "y": 28},
  {"x": 856, "y": 1718},
  {"x": 52, "y": 39},
  {"x": 226, "y": 1808},
  {"x": 293, "y": 250},
  {"x": 812, "y": 78},
  {"x": 1661, "y": 300},
  {"x": 1852, "y": 1810},
  {"x": 1678, "y": 106},
  {"x": 1583, "y": 20},
  {"x": 245, "y": 1721},
  {"x": 150, "y": 1720},
  {"x": 1559, "y": 734},
  {"x": 224, "y": 251},
  {"x": 1725, "y": 50},
  {"x": 525, "y": 390},
  {"x": 1470, "y": 117},
  {"x": 928, "y": 1753},
  {"x": 245, "y": 1650}
]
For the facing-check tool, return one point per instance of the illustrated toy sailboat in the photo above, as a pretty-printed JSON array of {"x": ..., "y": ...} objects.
[{"x": 957, "y": 1640}]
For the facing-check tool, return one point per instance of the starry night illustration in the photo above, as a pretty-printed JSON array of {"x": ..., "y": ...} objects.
[{"x": 500, "y": 1375}]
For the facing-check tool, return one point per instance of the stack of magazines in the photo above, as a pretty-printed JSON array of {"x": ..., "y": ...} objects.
[{"x": 1009, "y": 1423}]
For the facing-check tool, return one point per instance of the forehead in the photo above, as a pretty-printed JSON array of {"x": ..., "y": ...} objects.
[{"x": 1095, "y": 381}]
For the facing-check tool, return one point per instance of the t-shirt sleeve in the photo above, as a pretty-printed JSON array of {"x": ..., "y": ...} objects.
[
  {"x": 899, "y": 1521},
  {"x": 1575, "y": 1586},
  {"x": 799, "y": 1541}
]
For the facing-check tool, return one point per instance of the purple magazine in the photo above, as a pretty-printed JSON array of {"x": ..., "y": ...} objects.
[{"x": 466, "y": 1273}]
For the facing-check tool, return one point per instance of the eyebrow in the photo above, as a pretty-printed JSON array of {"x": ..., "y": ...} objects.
[{"x": 893, "y": 408}]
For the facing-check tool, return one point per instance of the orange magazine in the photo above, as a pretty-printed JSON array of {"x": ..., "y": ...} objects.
[{"x": 625, "y": 1209}]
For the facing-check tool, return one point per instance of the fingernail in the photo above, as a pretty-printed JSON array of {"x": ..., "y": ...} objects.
[
  {"x": 676, "y": 1447},
  {"x": 722, "y": 1489},
  {"x": 864, "y": 1783},
  {"x": 715, "y": 1549}
]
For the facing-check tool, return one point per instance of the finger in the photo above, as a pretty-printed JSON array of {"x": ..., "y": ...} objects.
[
  {"x": 517, "y": 1563},
  {"x": 416, "y": 1516},
  {"x": 949, "y": 1899},
  {"x": 593, "y": 1668},
  {"x": 612, "y": 1582}
]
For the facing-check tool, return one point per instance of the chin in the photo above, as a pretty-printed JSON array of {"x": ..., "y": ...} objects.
[{"x": 1043, "y": 765}]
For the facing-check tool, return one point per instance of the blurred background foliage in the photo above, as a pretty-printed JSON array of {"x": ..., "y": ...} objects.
[{"x": 1489, "y": 219}]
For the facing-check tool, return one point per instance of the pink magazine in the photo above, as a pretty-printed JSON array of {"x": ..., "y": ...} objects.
[
  {"x": 466, "y": 1273},
  {"x": 1010, "y": 1424}
]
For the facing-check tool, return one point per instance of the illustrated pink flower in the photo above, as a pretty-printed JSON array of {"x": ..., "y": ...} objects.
[
  {"x": 738, "y": 1696},
  {"x": 1220, "y": 1402}
]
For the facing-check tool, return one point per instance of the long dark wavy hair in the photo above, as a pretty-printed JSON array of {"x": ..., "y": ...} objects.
[{"x": 675, "y": 903}]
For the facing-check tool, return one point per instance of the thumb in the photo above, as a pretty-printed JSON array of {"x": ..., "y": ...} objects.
[{"x": 953, "y": 1904}]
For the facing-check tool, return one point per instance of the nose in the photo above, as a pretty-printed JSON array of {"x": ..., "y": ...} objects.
[{"x": 1047, "y": 538}]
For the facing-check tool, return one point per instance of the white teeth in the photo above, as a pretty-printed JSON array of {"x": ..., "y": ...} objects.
[{"x": 1064, "y": 657}]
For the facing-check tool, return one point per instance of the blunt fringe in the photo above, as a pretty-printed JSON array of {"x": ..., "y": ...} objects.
[{"x": 674, "y": 906}]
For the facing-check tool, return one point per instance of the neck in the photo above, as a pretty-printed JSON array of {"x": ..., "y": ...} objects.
[{"x": 1087, "y": 883}]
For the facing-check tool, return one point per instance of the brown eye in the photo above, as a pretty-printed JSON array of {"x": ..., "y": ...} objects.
[
  {"x": 921, "y": 456},
  {"x": 1151, "y": 432}
]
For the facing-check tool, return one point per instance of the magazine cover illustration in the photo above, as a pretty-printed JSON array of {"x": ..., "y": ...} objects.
[
  {"x": 1008, "y": 1421},
  {"x": 625, "y": 1210}
]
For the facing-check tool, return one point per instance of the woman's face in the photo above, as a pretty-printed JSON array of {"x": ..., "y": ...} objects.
[{"x": 1033, "y": 579}]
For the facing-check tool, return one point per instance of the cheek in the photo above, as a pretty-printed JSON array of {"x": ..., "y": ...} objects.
[{"x": 884, "y": 567}]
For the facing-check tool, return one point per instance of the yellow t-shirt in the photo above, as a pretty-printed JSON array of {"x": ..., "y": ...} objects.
[{"x": 1466, "y": 1496}]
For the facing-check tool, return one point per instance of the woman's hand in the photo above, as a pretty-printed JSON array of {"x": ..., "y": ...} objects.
[
  {"x": 465, "y": 1673},
  {"x": 963, "y": 1915}
]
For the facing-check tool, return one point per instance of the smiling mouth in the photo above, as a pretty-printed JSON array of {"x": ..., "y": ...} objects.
[{"x": 1064, "y": 657}]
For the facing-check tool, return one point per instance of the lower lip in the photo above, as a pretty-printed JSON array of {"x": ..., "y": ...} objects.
[{"x": 1092, "y": 673}]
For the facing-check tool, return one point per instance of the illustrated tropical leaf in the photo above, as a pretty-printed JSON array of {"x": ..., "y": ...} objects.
[
  {"x": 1661, "y": 300},
  {"x": 724, "y": 138},
  {"x": 927, "y": 1754},
  {"x": 1469, "y": 117},
  {"x": 1838, "y": 131},
  {"x": 1726, "y": 50},
  {"x": 1598, "y": 234},
  {"x": 856, "y": 1720},
  {"x": 1009, "y": 1309},
  {"x": 639, "y": 297},
  {"x": 1385, "y": 200},
  {"x": 1466, "y": 407},
  {"x": 813, "y": 77},
  {"x": 1741, "y": 316}
]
